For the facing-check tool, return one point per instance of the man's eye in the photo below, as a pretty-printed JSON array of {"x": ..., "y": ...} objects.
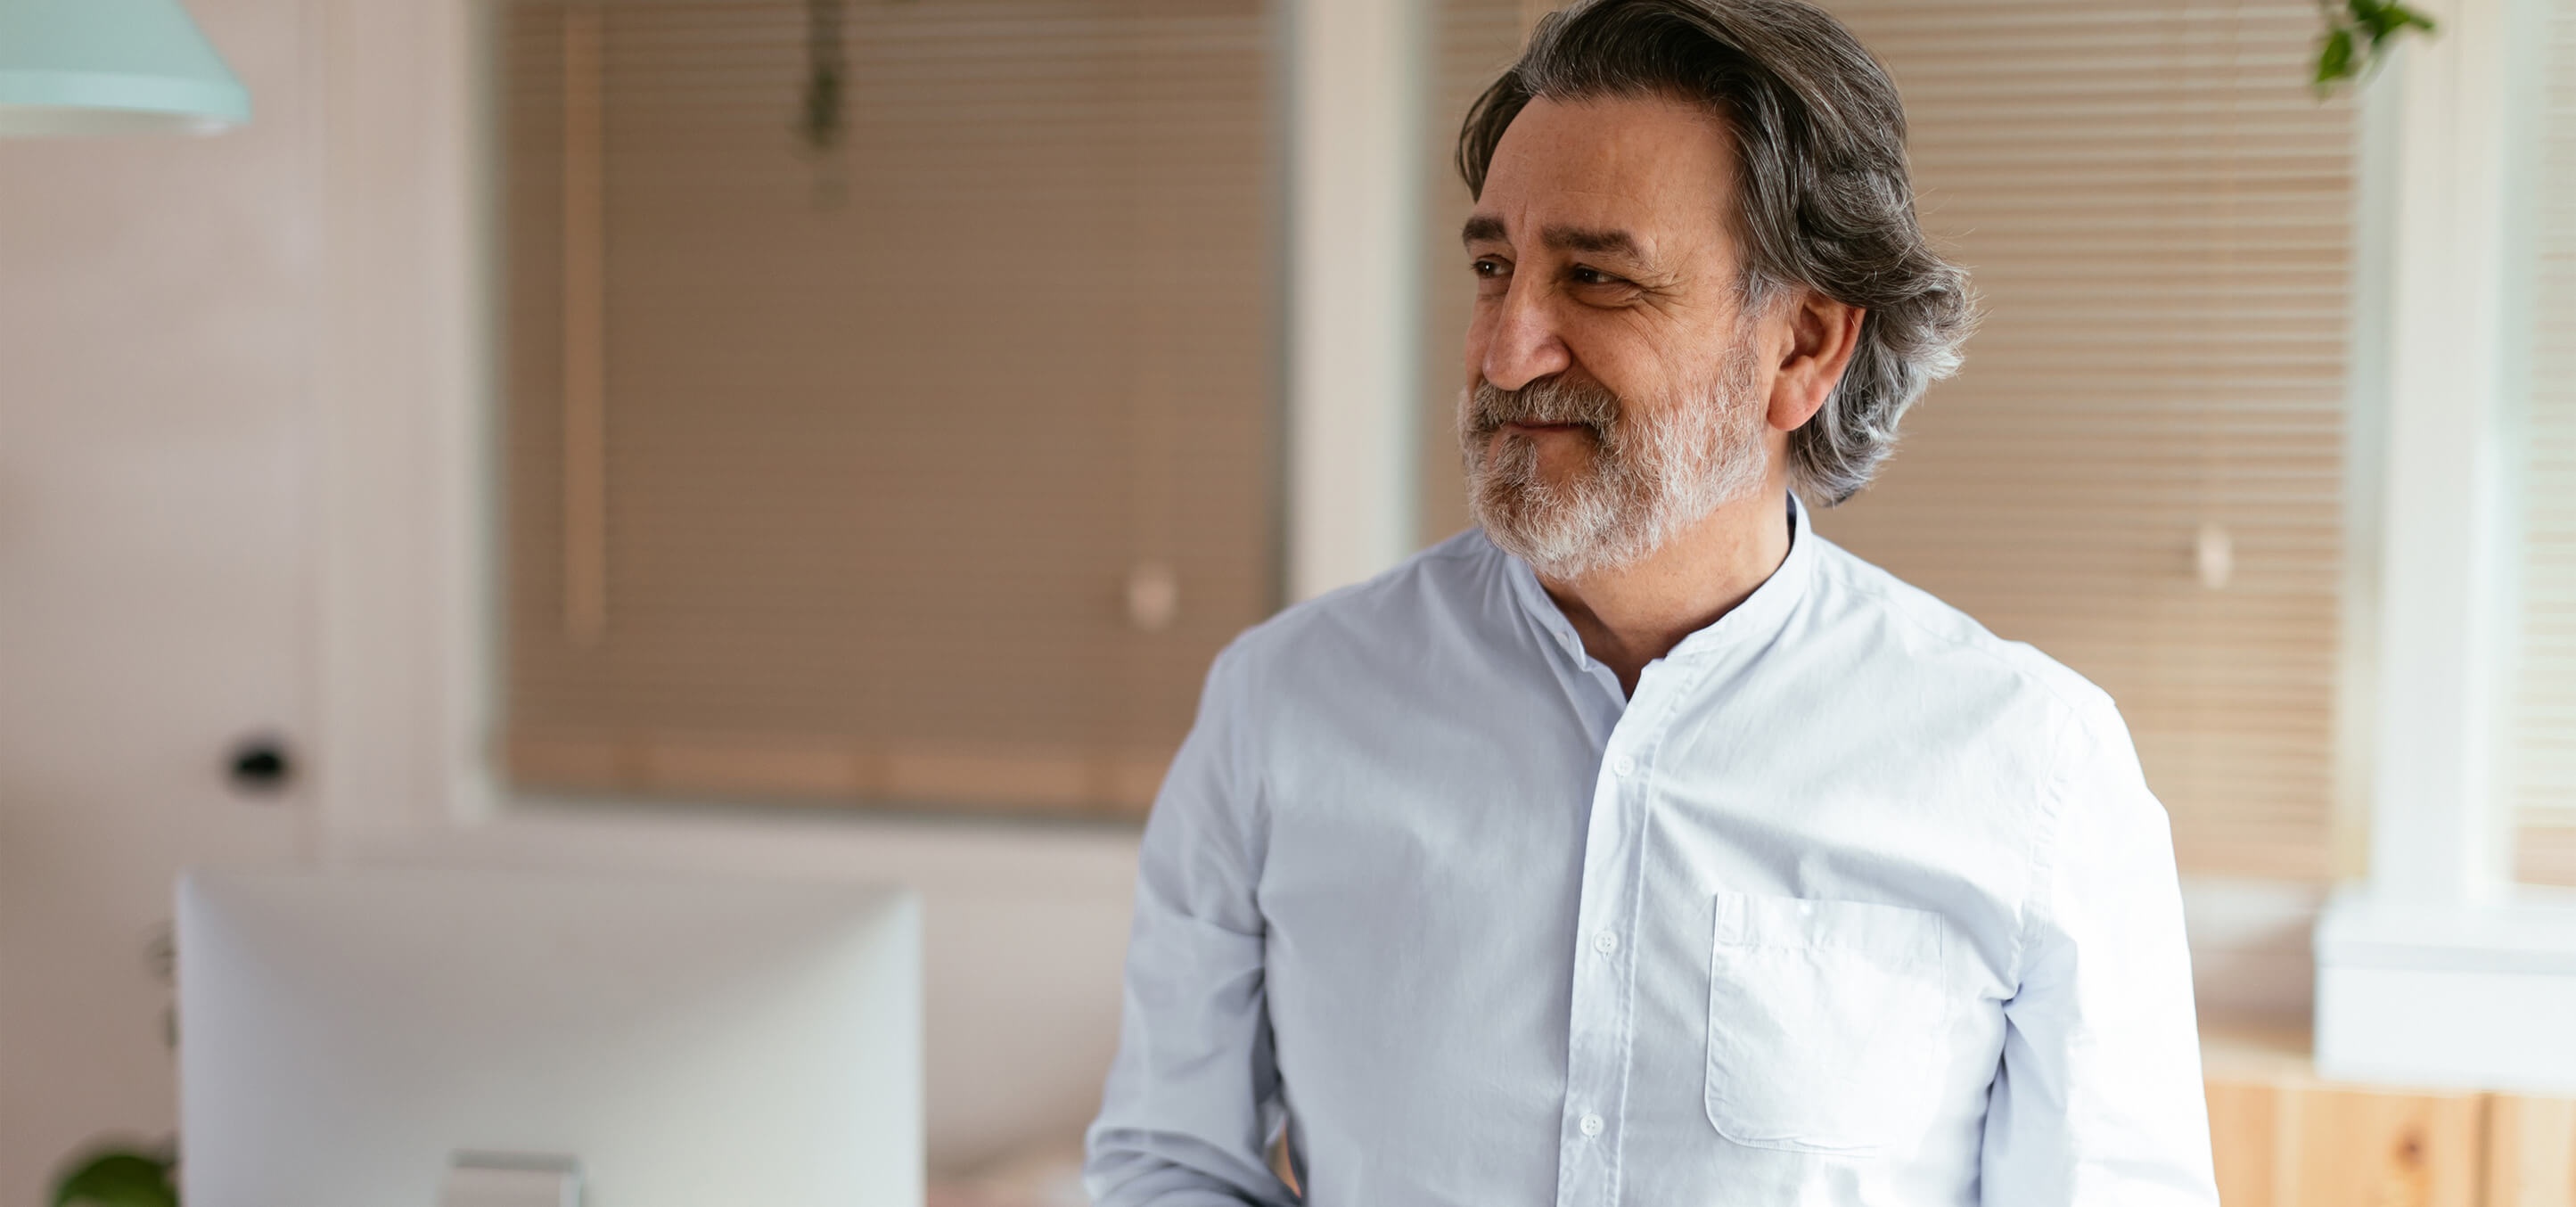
[
  {"x": 1593, "y": 276},
  {"x": 1487, "y": 267}
]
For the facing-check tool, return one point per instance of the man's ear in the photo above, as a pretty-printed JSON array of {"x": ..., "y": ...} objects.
[{"x": 1821, "y": 334}]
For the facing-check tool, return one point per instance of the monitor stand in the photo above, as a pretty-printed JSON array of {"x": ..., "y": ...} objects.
[{"x": 487, "y": 1179}]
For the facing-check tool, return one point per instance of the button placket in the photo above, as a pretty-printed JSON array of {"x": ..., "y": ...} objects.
[
  {"x": 1597, "y": 1020},
  {"x": 1602, "y": 1022}
]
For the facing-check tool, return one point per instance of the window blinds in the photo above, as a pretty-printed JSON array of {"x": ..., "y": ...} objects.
[
  {"x": 2544, "y": 684},
  {"x": 890, "y": 391},
  {"x": 2141, "y": 469}
]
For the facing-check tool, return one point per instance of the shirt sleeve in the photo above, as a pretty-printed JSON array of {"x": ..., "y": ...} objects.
[
  {"x": 1193, "y": 1096},
  {"x": 2098, "y": 1099}
]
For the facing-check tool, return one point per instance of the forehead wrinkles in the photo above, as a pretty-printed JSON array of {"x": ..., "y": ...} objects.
[{"x": 1658, "y": 168}]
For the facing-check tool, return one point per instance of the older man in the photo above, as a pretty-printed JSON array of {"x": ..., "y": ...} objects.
[{"x": 1642, "y": 847}]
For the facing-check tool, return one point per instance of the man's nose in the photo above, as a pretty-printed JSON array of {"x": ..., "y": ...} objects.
[{"x": 1525, "y": 344}]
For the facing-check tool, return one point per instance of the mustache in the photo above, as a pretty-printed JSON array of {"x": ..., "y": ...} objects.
[{"x": 1548, "y": 400}]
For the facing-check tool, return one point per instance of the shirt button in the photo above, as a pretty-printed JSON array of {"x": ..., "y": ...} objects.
[
  {"x": 1591, "y": 1125},
  {"x": 1605, "y": 942},
  {"x": 1625, "y": 766}
]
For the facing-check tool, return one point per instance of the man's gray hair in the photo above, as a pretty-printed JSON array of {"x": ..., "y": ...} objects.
[{"x": 1826, "y": 200}]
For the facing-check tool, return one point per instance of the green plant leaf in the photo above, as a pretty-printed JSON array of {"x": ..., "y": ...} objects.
[
  {"x": 2383, "y": 19},
  {"x": 118, "y": 1178},
  {"x": 2359, "y": 34},
  {"x": 2334, "y": 59}
]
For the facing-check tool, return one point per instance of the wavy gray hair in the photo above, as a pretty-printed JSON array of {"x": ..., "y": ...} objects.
[{"x": 1827, "y": 202}]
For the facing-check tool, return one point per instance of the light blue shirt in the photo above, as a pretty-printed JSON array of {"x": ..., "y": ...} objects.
[{"x": 1852, "y": 902}]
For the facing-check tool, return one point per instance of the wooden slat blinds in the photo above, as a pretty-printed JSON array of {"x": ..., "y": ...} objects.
[
  {"x": 890, "y": 390},
  {"x": 2543, "y": 774},
  {"x": 2159, "y": 216},
  {"x": 2158, "y": 213}
]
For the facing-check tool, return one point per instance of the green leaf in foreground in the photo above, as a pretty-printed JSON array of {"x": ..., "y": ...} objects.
[
  {"x": 118, "y": 1178},
  {"x": 2334, "y": 60},
  {"x": 2359, "y": 35}
]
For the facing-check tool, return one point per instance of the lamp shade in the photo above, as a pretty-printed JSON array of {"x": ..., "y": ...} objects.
[{"x": 111, "y": 66}]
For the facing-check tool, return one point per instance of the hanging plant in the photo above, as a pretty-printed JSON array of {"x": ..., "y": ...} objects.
[{"x": 2358, "y": 36}]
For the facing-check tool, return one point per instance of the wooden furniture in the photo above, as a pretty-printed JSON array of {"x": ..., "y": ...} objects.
[{"x": 2283, "y": 1137}]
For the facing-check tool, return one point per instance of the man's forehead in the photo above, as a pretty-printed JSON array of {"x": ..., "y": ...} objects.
[{"x": 1608, "y": 175}]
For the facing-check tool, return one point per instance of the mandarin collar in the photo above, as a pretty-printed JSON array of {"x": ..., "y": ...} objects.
[{"x": 1761, "y": 614}]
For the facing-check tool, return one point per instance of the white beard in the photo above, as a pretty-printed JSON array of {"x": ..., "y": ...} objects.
[{"x": 1654, "y": 472}]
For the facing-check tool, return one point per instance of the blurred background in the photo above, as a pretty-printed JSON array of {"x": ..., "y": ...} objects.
[{"x": 828, "y": 438}]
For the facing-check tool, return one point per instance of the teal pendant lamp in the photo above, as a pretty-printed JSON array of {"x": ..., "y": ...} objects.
[{"x": 111, "y": 67}]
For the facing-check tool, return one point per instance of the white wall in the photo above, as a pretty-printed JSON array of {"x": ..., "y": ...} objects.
[
  {"x": 153, "y": 553},
  {"x": 1356, "y": 105}
]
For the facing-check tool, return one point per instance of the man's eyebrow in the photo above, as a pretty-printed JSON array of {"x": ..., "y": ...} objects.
[
  {"x": 1593, "y": 240},
  {"x": 1485, "y": 228}
]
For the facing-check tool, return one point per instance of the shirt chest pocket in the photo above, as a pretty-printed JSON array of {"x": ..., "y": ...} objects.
[{"x": 1825, "y": 1023}]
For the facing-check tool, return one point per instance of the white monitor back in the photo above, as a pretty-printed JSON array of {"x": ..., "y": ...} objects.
[{"x": 689, "y": 1042}]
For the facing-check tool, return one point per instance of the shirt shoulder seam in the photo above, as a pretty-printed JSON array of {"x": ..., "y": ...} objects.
[
  {"x": 2044, "y": 845},
  {"x": 1245, "y": 768},
  {"x": 2056, "y": 695}
]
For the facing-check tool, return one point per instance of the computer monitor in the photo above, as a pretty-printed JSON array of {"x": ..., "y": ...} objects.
[{"x": 345, "y": 1036}]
